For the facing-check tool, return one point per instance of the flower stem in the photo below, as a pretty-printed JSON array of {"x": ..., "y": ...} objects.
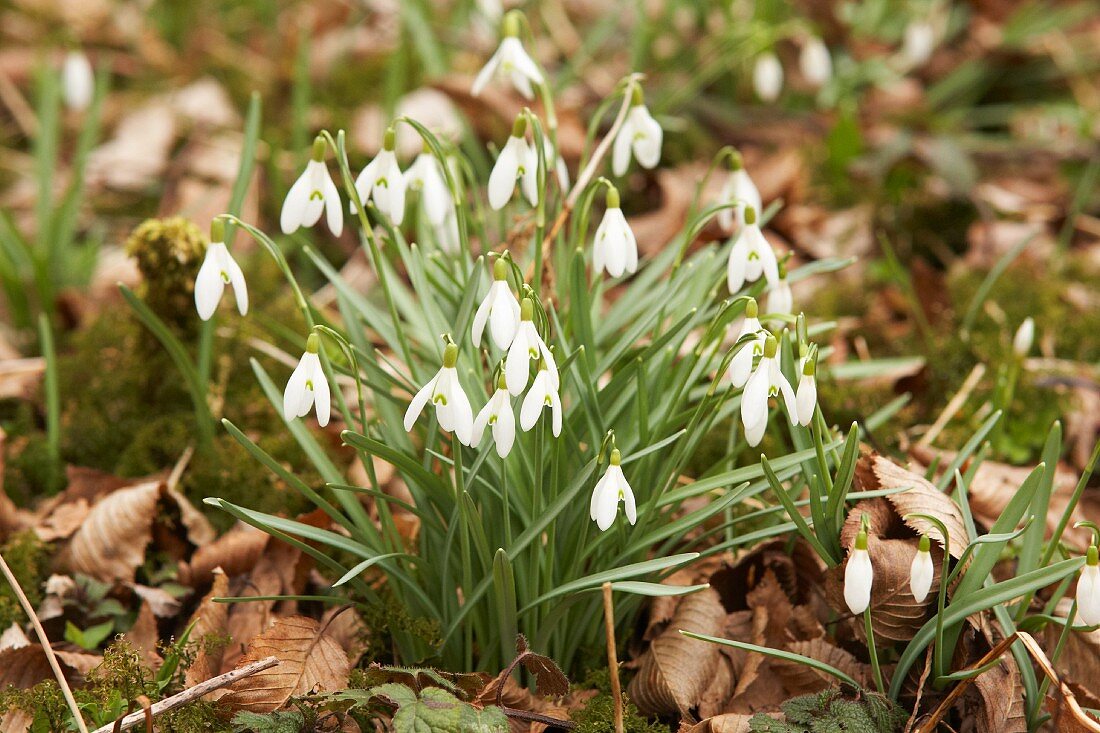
[{"x": 873, "y": 651}]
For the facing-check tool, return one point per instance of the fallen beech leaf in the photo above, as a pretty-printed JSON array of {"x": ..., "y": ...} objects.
[
  {"x": 801, "y": 680},
  {"x": 309, "y": 659},
  {"x": 25, "y": 666},
  {"x": 64, "y": 520},
  {"x": 161, "y": 602},
  {"x": 875, "y": 472},
  {"x": 346, "y": 627},
  {"x": 725, "y": 723},
  {"x": 13, "y": 638},
  {"x": 143, "y": 636},
  {"x": 676, "y": 670},
  {"x": 235, "y": 552},
  {"x": 1066, "y": 714},
  {"x": 111, "y": 543},
  {"x": 209, "y": 619},
  {"x": 16, "y": 721},
  {"x": 1001, "y": 708}
]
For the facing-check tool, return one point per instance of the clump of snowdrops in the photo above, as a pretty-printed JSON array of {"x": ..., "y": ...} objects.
[{"x": 621, "y": 364}]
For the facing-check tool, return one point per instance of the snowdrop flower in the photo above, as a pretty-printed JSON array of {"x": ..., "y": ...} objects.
[
  {"x": 516, "y": 160},
  {"x": 511, "y": 61},
  {"x": 313, "y": 192},
  {"x": 543, "y": 393},
  {"x": 741, "y": 366},
  {"x": 527, "y": 345},
  {"x": 815, "y": 62},
  {"x": 858, "y": 575},
  {"x": 614, "y": 249},
  {"x": 767, "y": 77},
  {"x": 780, "y": 300},
  {"x": 308, "y": 386},
  {"x": 738, "y": 189},
  {"x": 500, "y": 309},
  {"x": 426, "y": 176},
  {"x": 609, "y": 491},
  {"x": 498, "y": 414},
  {"x": 218, "y": 270},
  {"x": 751, "y": 256},
  {"x": 452, "y": 407},
  {"x": 806, "y": 396},
  {"x": 1025, "y": 335},
  {"x": 447, "y": 234},
  {"x": 77, "y": 81},
  {"x": 921, "y": 571},
  {"x": 1088, "y": 589},
  {"x": 919, "y": 42},
  {"x": 640, "y": 135},
  {"x": 766, "y": 381},
  {"x": 383, "y": 180}
]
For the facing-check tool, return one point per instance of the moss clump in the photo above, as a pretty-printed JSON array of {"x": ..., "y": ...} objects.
[
  {"x": 28, "y": 558},
  {"x": 598, "y": 716},
  {"x": 44, "y": 701},
  {"x": 195, "y": 717},
  {"x": 169, "y": 252}
]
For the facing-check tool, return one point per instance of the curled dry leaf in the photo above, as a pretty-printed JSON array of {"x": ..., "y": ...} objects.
[
  {"x": 921, "y": 497},
  {"x": 25, "y": 666},
  {"x": 209, "y": 620},
  {"x": 676, "y": 670},
  {"x": 1066, "y": 713},
  {"x": 111, "y": 542},
  {"x": 799, "y": 679},
  {"x": 725, "y": 723},
  {"x": 235, "y": 552},
  {"x": 143, "y": 636},
  {"x": 309, "y": 660}
]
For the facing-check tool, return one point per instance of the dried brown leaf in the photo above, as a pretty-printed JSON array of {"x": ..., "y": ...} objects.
[
  {"x": 111, "y": 543},
  {"x": 309, "y": 659},
  {"x": 209, "y": 619},
  {"x": 801, "y": 680},
  {"x": 676, "y": 670},
  {"x": 235, "y": 552},
  {"x": 878, "y": 472},
  {"x": 143, "y": 636},
  {"x": 25, "y": 666},
  {"x": 726, "y": 723}
]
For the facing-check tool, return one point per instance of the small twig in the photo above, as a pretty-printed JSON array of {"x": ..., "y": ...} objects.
[
  {"x": 929, "y": 724},
  {"x": 612, "y": 656},
  {"x": 45, "y": 642},
  {"x": 191, "y": 693},
  {"x": 953, "y": 406}
]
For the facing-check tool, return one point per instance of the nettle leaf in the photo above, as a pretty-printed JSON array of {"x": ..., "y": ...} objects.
[
  {"x": 432, "y": 709},
  {"x": 550, "y": 681}
]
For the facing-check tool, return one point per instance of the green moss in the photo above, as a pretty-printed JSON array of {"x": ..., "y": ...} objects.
[
  {"x": 598, "y": 716},
  {"x": 28, "y": 558},
  {"x": 195, "y": 717},
  {"x": 168, "y": 252}
]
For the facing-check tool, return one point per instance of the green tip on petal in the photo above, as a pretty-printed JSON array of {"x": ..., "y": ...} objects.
[
  {"x": 509, "y": 27},
  {"x": 1091, "y": 557},
  {"x": 616, "y": 457},
  {"x": 500, "y": 269},
  {"x": 752, "y": 309},
  {"x": 637, "y": 97},
  {"x": 750, "y": 214},
  {"x": 389, "y": 140},
  {"x": 450, "y": 356},
  {"x": 313, "y": 343},
  {"x": 217, "y": 230},
  {"x": 519, "y": 127},
  {"x": 925, "y": 544},
  {"x": 526, "y": 309},
  {"x": 318, "y": 148},
  {"x": 612, "y": 197},
  {"x": 770, "y": 347}
]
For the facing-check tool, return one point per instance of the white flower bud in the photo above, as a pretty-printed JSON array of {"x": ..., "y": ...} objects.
[{"x": 921, "y": 571}]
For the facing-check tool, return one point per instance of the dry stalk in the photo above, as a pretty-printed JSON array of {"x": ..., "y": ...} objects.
[
  {"x": 186, "y": 696},
  {"x": 612, "y": 656},
  {"x": 45, "y": 642}
]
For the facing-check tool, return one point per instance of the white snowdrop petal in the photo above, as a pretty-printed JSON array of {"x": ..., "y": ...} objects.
[
  {"x": 620, "y": 150},
  {"x": 504, "y": 430},
  {"x": 292, "y": 394},
  {"x": 322, "y": 399},
  {"x": 486, "y": 74},
  {"x": 502, "y": 179},
  {"x": 806, "y": 399},
  {"x": 920, "y": 576},
  {"x": 290, "y": 218},
  {"x": 209, "y": 286},
  {"x": 419, "y": 400},
  {"x": 858, "y": 578}
]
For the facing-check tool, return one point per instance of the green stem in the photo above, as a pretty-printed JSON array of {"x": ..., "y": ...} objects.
[{"x": 873, "y": 651}]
